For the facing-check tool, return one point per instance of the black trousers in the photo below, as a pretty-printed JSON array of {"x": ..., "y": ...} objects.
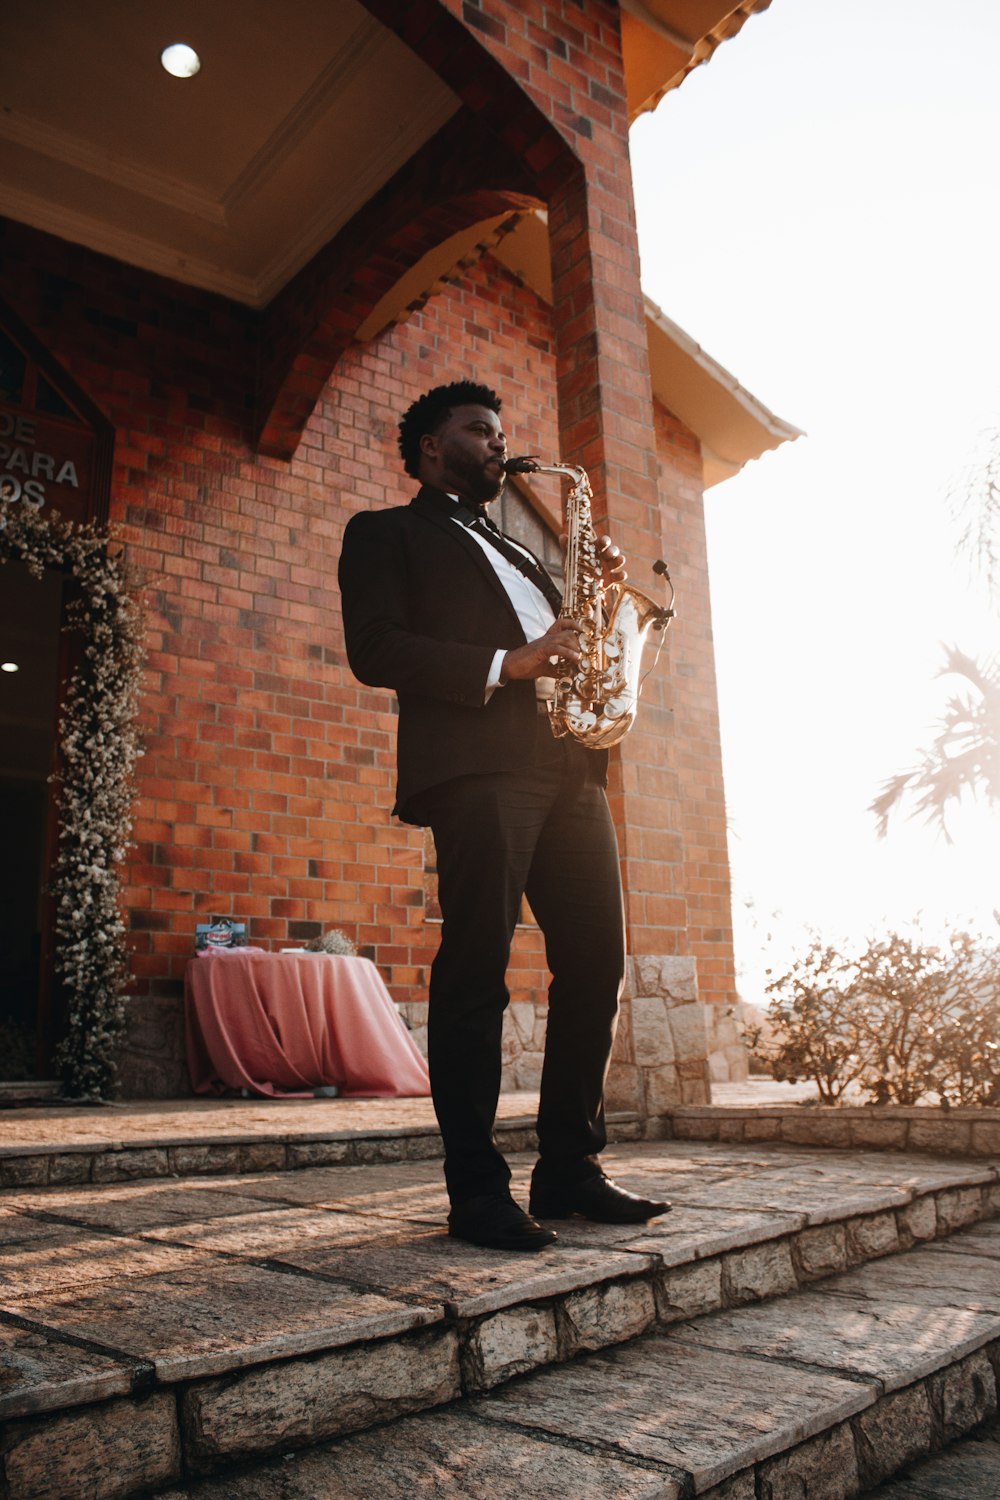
[{"x": 543, "y": 831}]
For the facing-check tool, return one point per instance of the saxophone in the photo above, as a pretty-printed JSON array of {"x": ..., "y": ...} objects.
[{"x": 596, "y": 698}]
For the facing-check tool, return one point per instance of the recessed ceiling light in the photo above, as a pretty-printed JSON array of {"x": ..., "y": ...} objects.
[
  {"x": 9, "y": 666},
  {"x": 180, "y": 60}
]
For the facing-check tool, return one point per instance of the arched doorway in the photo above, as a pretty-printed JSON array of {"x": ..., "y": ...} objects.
[
  {"x": 55, "y": 455},
  {"x": 30, "y": 619}
]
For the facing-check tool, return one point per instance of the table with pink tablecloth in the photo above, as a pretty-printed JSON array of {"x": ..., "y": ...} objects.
[{"x": 285, "y": 1024}]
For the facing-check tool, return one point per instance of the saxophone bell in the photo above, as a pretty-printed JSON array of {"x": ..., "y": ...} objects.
[{"x": 595, "y": 699}]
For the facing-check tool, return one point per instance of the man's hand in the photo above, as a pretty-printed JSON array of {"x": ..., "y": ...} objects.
[
  {"x": 612, "y": 560},
  {"x": 535, "y": 659}
]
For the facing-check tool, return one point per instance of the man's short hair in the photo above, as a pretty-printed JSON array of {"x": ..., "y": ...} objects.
[{"x": 433, "y": 409}]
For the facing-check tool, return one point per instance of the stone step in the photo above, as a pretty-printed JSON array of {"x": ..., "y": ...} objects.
[
  {"x": 954, "y": 1132},
  {"x": 63, "y": 1143},
  {"x": 68, "y": 1144},
  {"x": 23, "y": 1094},
  {"x": 818, "y": 1395},
  {"x": 172, "y": 1328}
]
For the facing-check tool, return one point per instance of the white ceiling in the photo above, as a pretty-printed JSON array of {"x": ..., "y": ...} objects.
[
  {"x": 234, "y": 179},
  {"x": 230, "y": 180}
]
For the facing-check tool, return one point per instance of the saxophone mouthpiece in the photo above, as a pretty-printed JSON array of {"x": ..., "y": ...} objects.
[{"x": 526, "y": 464}]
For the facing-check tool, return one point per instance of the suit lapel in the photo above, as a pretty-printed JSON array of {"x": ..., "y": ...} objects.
[{"x": 428, "y": 511}]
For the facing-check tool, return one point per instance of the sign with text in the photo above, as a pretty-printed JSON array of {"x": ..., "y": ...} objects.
[{"x": 46, "y": 462}]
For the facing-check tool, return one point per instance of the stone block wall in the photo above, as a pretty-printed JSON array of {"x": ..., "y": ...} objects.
[
  {"x": 728, "y": 1058},
  {"x": 153, "y": 1064},
  {"x": 668, "y": 1050},
  {"x": 660, "y": 1058}
]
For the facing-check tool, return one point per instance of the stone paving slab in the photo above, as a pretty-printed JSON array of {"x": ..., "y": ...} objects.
[
  {"x": 149, "y": 1139},
  {"x": 415, "y": 1191},
  {"x": 403, "y": 1261},
  {"x": 410, "y": 1190},
  {"x": 794, "y": 1179},
  {"x": 186, "y": 1132},
  {"x": 68, "y": 1257},
  {"x": 432, "y": 1456},
  {"x": 818, "y": 1201},
  {"x": 290, "y": 1301},
  {"x": 951, "y": 1279},
  {"x": 685, "y": 1234},
  {"x": 199, "y": 1121},
  {"x": 216, "y": 1316},
  {"x": 672, "y": 1167},
  {"x": 37, "y": 1373},
  {"x": 17, "y": 1228},
  {"x": 607, "y": 1428},
  {"x": 452, "y": 1456},
  {"x": 136, "y": 1207},
  {"x": 434, "y": 1267},
  {"x": 892, "y": 1343},
  {"x": 709, "y": 1412},
  {"x": 279, "y": 1232}
]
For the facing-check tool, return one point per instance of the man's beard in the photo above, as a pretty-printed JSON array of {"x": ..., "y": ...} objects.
[{"x": 476, "y": 482}]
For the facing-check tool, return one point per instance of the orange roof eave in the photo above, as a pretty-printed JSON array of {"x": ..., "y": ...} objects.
[{"x": 663, "y": 40}]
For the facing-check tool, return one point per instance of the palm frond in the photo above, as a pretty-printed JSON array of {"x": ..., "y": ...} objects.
[{"x": 964, "y": 756}]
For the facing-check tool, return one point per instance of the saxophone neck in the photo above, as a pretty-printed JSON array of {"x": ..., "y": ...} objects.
[{"x": 528, "y": 464}]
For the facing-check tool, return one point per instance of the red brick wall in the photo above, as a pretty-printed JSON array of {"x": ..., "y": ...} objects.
[
  {"x": 694, "y": 697},
  {"x": 486, "y": 327},
  {"x": 268, "y": 771},
  {"x": 567, "y": 57}
]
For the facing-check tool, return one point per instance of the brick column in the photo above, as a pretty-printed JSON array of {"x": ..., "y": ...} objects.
[{"x": 568, "y": 58}]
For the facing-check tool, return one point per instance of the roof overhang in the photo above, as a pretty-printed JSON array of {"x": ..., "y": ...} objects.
[
  {"x": 234, "y": 179},
  {"x": 231, "y": 180},
  {"x": 731, "y": 425},
  {"x": 663, "y": 40}
]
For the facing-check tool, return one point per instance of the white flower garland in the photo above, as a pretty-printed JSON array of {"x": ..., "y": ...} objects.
[{"x": 99, "y": 746}]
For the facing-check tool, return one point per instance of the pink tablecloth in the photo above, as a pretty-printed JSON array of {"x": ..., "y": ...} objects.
[{"x": 283, "y": 1024}]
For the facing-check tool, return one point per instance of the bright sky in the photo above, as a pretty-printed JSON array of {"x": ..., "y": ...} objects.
[{"x": 818, "y": 207}]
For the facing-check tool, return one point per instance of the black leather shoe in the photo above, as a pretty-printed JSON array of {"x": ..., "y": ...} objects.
[
  {"x": 596, "y": 1198},
  {"x": 496, "y": 1221}
]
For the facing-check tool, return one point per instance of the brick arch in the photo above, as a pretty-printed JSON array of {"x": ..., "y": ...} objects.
[
  {"x": 487, "y": 90},
  {"x": 498, "y": 153}
]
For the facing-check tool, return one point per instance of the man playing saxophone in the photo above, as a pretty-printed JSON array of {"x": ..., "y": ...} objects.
[{"x": 464, "y": 625}]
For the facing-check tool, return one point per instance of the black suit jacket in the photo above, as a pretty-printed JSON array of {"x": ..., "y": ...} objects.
[{"x": 424, "y": 613}]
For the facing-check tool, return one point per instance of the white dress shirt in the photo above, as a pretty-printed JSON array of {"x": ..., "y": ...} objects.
[{"x": 530, "y": 605}]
